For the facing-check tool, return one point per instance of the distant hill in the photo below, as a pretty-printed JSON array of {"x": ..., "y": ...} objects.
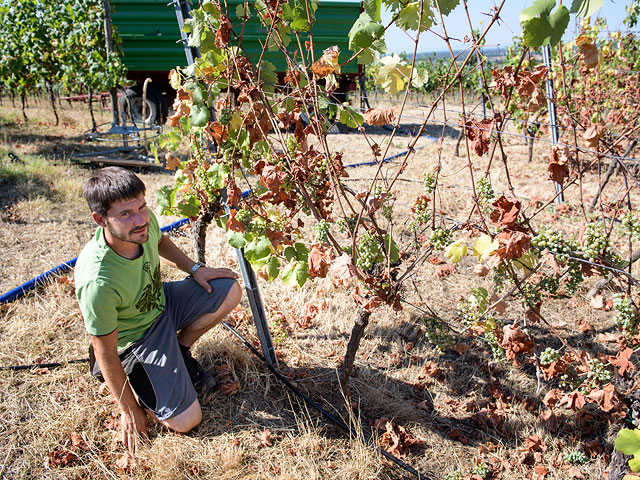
[{"x": 494, "y": 53}]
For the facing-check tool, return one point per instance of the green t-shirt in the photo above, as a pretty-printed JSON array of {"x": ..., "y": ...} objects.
[{"x": 115, "y": 292}]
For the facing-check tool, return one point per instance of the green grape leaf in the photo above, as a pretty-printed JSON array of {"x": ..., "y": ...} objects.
[
  {"x": 302, "y": 252},
  {"x": 259, "y": 248},
  {"x": 200, "y": 94},
  {"x": 217, "y": 174},
  {"x": 479, "y": 298},
  {"x": 350, "y": 117},
  {"x": 628, "y": 442},
  {"x": 188, "y": 207},
  {"x": 236, "y": 239},
  {"x": 409, "y": 16},
  {"x": 394, "y": 252},
  {"x": 484, "y": 247},
  {"x": 447, "y": 6},
  {"x": 273, "y": 267},
  {"x": 284, "y": 31},
  {"x": 211, "y": 8},
  {"x": 295, "y": 273},
  {"x": 364, "y": 32},
  {"x": 268, "y": 76},
  {"x": 372, "y": 8},
  {"x": 456, "y": 251},
  {"x": 541, "y": 26},
  {"x": 289, "y": 253},
  {"x": 243, "y": 10},
  {"x": 165, "y": 196},
  {"x": 586, "y": 8},
  {"x": 295, "y": 13},
  {"x": 199, "y": 115},
  {"x": 195, "y": 26}
]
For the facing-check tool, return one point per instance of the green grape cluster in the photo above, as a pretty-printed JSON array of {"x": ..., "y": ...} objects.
[
  {"x": 496, "y": 350},
  {"x": 292, "y": 144},
  {"x": 244, "y": 216},
  {"x": 429, "y": 182},
  {"x": 484, "y": 470},
  {"x": 598, "y": 371},
  {"x": 440, "y": 238},
  {"x": 554, "y": 242},
  {"x": 595, "y": 241},
  {"x": 224, "y": 116},
  {"x": 577, "y": 457},
  {"x": 344, "y": 226},
  {"x": 549, "y": 284},
  {"x": 258, "y": 227},
  {"x": 387, "y": 211},
  {"x": 631, "y": 225},
  {"x": 485, "y": 190},
  {"x": 368, "y": 250},
  {"x": 531, "y": 295},
  {"x": 549, "y": 355},
  {"x": 575, "y": 277},
  {"x": 321, "y": 230},
  {"x": 570, "y": 379},
  {"x": 205, "y": 183},
  {"x": 419, "y": 213},
  {"x": 456, "y": 475},
  {"x": 437, "y": 334},
  {"x": 627, "y": 316}
]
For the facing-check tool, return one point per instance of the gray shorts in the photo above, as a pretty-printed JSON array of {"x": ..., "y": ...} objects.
[{"x": 154, "y": 364}]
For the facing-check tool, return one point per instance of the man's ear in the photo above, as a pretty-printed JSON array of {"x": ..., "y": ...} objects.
[{"x": 100, "y": 220}]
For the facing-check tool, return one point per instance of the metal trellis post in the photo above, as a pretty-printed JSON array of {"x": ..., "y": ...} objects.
[
  {"x": 250, "y": 282},
  {"x": 553, "y": 125}
]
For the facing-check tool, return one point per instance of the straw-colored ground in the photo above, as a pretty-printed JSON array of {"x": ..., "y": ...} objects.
[{"x": 263, "y": 431}]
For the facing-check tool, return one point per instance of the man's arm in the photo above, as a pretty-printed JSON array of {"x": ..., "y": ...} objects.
[
  {"x": 133, "y": 418},
  {"x": 172, "y": 255}
]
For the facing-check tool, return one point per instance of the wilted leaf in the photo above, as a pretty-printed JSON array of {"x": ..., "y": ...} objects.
[
  {"x": 593, "y": 134},
  {"x": 342, "y": 268},
  {"x": 588, "y": 51},
  {"x": 327, "y": 63},
  {"x": 575, "y": 401},
  {"x": 381, "y": 116},
  {"x": 484, "y": 247},
  {"x": 505, "y": 212},
  {"x": 272, "y": 177},
  {"x": 445, "y": 270},
  {"x": 396, "y": 440},
  {"x": 171, "y": 162},
  {"x": 479, "y": 134},
  {"x": 623, "y": 361},
  {"x": 319, "y": 261}
]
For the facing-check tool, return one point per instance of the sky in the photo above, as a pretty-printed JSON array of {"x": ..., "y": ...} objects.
[{"x": 499, "y": 35}]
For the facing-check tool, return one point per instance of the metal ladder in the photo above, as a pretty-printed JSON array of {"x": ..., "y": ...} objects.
[{"x": 182, "y": 9}]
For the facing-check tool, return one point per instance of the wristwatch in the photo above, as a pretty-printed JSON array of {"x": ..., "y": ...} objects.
[{"x": 195, "y": 267}]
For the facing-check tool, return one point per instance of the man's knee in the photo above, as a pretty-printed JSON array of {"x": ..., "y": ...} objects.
[
  {"x": 235, "y": 295},
  {"x": 187, "y": 420}
]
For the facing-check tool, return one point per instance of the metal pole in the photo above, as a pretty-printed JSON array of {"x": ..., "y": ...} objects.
[
  {"x": 553, "y": 125},
  {"x": 108, "y": 35},
  {"x": 248, "y": 275}
]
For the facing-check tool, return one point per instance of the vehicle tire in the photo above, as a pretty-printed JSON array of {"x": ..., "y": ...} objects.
[{"x": 157, "y": 109}]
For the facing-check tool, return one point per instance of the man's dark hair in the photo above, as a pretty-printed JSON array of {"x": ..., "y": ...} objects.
[{"x": 109, "y": 185}]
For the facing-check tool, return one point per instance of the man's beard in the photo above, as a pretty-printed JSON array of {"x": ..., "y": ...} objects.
[{"x": 131, "y": 236}]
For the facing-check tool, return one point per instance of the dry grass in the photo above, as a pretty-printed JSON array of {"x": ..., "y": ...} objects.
[{"x": 44, "y": 222}]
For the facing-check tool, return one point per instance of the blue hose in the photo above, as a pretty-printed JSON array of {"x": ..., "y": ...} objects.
[{"x": 60, "y": 269}]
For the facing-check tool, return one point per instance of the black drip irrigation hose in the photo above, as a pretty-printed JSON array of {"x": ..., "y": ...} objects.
[
  {"x": 324, "y": 412},
  {"x": 43, "y": 365}
]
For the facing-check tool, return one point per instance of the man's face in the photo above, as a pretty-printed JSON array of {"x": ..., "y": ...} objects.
[{"x": 128, "y": 220}]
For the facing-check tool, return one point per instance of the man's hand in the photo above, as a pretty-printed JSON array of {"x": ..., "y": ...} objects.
[
  {"x": 134, "y": 424},
  {"x": 204, "y": 274}
]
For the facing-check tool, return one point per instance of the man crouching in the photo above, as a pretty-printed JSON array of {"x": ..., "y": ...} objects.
[{"x": 141, "y": 328}]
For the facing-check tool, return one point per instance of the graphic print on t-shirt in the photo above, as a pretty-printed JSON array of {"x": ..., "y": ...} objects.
[{"x": 150, "y": 297}]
